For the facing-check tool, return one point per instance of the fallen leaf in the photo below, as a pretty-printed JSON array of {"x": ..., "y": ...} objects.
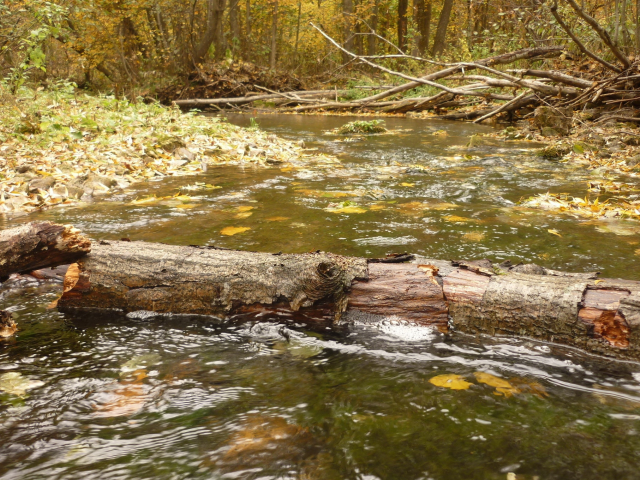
[
  {"x": 406, "y": 184},
  {"x": 277, "y": 219},
  {"x": 15, "y": 384},
  {"x": 502, "y": 386},
  {"x": 455, "y": 218},
  {"x": 245, "y": 208},
  {"x": 597, "y": 282},
  {"x": 186, "y": 206},
  {"x": 233, "y": 230},
  {"x": 452, "y": 381},
  {"x": 554, "y": 232},
  {"x": 349, "y": 209},
  {"x": 473, "y": 236},
  {"x": 377, "y": 207}
]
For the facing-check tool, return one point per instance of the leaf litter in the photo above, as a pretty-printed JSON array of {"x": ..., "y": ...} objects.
[{"x": 58, "y": 148}]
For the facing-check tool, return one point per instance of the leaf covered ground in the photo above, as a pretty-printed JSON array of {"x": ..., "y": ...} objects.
[{"x": 59, "y": 147}]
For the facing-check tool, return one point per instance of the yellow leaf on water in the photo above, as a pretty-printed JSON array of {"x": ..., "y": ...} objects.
[
  {"x": 145, "y": 200},
  {"x": 243, "y": 215},
  {"x": 452, "y": 381},
  {"x": 406, "y": 184},
  {"x": 456, "y": 218},
  {"x": 244, "y": 208},
  {"x": 182, "y": 198},
  {"x": 554, "y": 232},
  {"x": 349, "y": 209},
  {"x": 473, "y": 236},
  {"x": 233, "y": 230},
  {"x": 502, "y": 386},
  {"x": 277, "y": 219}
]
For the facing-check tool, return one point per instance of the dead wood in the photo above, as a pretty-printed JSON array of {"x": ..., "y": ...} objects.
[
  {"x": 477, "y": 297},
  {"x": 320, "y": 288},
  {"x": 40, "y": 244}
]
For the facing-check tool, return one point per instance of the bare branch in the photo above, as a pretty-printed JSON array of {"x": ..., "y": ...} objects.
[
  {"x": 602, "y": 33},
  {"x": 576, "y": 40}
]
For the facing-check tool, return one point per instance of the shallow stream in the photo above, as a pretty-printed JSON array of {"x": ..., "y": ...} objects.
[{"x": 177, "y": 398}]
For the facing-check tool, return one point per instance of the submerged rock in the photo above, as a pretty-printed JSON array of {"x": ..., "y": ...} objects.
[
  {"x": 7, "y": 326},
  {"x": 558, "y": 120}
]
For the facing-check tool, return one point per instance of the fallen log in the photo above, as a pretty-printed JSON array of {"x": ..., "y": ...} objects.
[
  {"x": 204, "y": 102},
  {"x": 38, "y": 245},
  {"x": 601, "y": 316}
]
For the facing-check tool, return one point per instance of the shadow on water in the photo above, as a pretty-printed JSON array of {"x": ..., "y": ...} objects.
[{"x": 191, "y": 398}]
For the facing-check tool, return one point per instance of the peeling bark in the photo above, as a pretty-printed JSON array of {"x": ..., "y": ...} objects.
[
  {"x": 40, "y": 244},
  {"x": 600, "y": 316}
]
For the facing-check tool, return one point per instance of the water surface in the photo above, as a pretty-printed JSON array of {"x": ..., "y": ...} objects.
[{"x": 178, "y": 397}]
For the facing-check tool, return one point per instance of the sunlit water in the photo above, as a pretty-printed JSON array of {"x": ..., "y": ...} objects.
[{"x": 176, "y": 397}]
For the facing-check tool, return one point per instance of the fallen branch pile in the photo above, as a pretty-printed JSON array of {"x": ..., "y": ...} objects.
[{"x": 614, "y": 84}]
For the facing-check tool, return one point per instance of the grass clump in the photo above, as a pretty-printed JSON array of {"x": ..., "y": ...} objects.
[{"x": 366, "y": 127}]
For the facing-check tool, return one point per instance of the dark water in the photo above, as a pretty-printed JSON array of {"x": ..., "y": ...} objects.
[{"x": 174, "y": 398}]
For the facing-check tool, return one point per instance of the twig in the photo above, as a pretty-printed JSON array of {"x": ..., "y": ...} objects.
[{"x": 502, "y": 108}]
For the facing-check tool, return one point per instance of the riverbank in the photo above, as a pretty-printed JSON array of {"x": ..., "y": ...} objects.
[{"x": 62, "y": 147}]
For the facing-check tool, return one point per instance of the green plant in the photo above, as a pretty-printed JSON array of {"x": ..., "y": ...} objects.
[
  {"x": 253, "y": 123},
  {"x": 362, "y": 126},
  {"x": 31, "y": 46}
]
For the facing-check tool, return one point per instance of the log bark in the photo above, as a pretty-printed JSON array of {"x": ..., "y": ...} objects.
[
  {"x": 601, "y": 316},
  {"x": 38, "y": 245}
]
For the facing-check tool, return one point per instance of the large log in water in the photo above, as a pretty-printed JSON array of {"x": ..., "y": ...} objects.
[
  {"x": 600, "y": 316},
  {"x": 38, "y": 245}
]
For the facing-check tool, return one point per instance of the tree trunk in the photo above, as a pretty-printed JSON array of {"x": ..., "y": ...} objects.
[
  {"x": 441, "y": 32},
  {"x": 347, "y": 13},
  {"x": 318, "y": 288},
  {"x": 423, "y": 23},
  {"x": 40, "y": 244},
  {"x": 637, "y": 27},
  {"x": 274, "y": 36},
  {"x": 373, "y": 23},
  {"x": 213, "y": 33},
  {"x": 402, "y": 24},
  {"x": 234, "y": 25}
]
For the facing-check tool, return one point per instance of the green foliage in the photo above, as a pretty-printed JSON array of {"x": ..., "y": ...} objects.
[
  {"x": 30, "y": 46},
  {"x": 362, "y": 127}
]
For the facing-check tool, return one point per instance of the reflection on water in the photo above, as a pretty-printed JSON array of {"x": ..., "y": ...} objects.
[
  {"x": 413, "y": 191},
  {"x": 168, "y": 399},
  {"x": 172, "y": 398}
]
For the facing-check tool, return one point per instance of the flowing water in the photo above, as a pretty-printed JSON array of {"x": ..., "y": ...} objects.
[{"x": 176, "y": 397}]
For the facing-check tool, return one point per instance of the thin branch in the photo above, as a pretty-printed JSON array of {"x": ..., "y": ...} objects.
[
  {"x": 576, "y": 40},
  {"x": 502, "y": 108},
  {"x": 602, "y": 33}
]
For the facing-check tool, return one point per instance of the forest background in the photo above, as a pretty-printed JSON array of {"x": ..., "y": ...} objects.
[{"x": 139, "y": 47}]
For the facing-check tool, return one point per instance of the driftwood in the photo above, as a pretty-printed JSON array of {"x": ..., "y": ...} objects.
[
  {"x": 205, "y": 102},
  {"x": 600, "y": 316},
  {"x": 320, "y": 288},
  {"x": 40, "y": 244}
]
